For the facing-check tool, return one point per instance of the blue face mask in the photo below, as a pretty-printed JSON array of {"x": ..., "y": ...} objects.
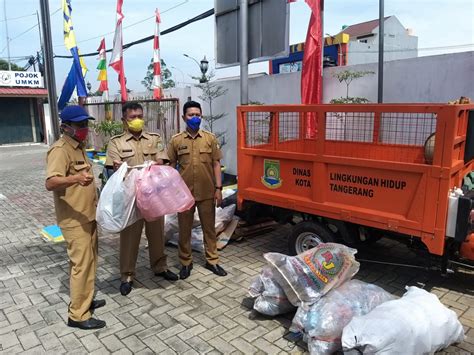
[{"x": 194, "y": 123}]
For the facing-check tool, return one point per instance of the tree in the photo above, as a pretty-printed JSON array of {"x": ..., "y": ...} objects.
[
  {"x": 166, "y": 76},
  {"x": 347, "y": 77},
  {"x": 210, "y": 92},
  {"x": 4, "y": 66}
]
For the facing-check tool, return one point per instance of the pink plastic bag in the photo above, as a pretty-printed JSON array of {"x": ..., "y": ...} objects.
[{"x": 162, "y": 191}]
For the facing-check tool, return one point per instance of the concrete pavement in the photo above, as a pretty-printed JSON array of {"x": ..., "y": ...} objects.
[{"x": 203, "y": 314}]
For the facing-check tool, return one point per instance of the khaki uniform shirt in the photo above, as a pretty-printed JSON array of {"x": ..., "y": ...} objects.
[
  {"x": 196, "y": 157},
  {"x": 75, "y": 205},
  {"x": 125, "y": 147}
]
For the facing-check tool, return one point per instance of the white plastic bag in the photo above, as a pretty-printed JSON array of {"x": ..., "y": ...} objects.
[
  {"x": 324, "y": 321},
  {"x": 116, "y": 208},
  {"x": 270, "y": 297},
  {"x": 307, "y": 277},
  {"x": 417, "y": 323},
  {"x": 223, "y": 217}
]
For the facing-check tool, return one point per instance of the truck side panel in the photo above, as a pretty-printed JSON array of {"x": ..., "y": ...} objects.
[{"x": 366, "y": 164}]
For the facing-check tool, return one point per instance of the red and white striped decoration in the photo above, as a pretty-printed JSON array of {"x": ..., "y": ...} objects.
[{"x": 157, "y": 89}]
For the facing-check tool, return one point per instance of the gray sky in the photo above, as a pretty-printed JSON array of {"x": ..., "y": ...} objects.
[{"x": 447, "y": 26}]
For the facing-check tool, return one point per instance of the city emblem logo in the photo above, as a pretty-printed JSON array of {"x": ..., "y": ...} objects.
[
  {"x": 271, "y": 177},
  {"x": 5, "y": 78}
]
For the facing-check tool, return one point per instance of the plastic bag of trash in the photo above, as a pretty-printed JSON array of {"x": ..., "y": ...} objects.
[
  {"x": 307, "y": 277},
  {"x": 223, "y": 217},
  {"x": 162, "y": 191},
  {"x": 116, "y": 207},
  {"x": 299, "y": 320},
  {"x": 270, "y": 297},
  {"x": 417, "y": 323},
  {"x": 325, "y": 320}
]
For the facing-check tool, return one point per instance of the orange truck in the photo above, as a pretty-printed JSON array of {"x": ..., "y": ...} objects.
[{"x": 353, "y": 173}]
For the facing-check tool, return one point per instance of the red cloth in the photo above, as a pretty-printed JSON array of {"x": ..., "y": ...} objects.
[{"x": 311, "y": 76}]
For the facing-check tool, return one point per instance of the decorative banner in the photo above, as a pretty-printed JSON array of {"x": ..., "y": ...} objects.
[
  {"x": 157, "y": 89},
  {"x": 116, "y": 60},
  {"x": 75, "y": 78},
  {"x": 21, "y": 78},
  {"x": 102, "y": 67}
]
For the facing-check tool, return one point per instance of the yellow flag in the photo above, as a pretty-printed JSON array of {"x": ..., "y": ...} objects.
[
  {"x": 69, "y": 36},
  {"x": 83, "y": 63}
]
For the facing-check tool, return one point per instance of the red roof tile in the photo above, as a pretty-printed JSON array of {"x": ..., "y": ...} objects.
[
  {"x": 361, "y": 29},
  {"x": 18, "y": 92}
]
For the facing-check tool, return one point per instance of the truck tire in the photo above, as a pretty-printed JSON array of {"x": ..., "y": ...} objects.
[{"x": 306, "y": 235}]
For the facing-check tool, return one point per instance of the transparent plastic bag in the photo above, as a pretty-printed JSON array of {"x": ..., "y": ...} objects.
[
  {"x": 223, "y": 217},
  {"x": 162, "y": 191},
  {"x": 307, "y": 277},
  {"x": 416, "y": 323},
  {"x": 116, "y": 208},
  {"x": 325, "y": 320},
  {"x": 299, "y": 320},
  {"x": 270, "y": 297}
]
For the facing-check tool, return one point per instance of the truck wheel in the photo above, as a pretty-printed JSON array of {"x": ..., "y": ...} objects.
[{"x": 306, "y": 235}]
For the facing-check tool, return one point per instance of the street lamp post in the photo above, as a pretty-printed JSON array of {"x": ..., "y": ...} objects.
[
  {"x": 182, "y": 74},
  {"x": 203, "y": 66}
]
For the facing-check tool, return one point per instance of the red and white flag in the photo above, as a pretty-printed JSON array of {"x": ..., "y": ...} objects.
[
  {"x": 157, "y": 88},
  {"x": 116, "y": 60}
]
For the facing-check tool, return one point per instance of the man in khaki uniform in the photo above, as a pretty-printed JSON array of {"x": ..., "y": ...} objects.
[
  {"x": 197, "y": 154},
  {"x": 134, "y": 147},
  {"x": 75, "y": 201}
]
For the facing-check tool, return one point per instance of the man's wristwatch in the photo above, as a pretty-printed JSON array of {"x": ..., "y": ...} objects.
[{"x": 219, "y": 188}]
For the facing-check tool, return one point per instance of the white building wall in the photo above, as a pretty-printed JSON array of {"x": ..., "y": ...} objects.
[
  {"x": 426, "y": 79},
  {"x": 397, "y": 44}
]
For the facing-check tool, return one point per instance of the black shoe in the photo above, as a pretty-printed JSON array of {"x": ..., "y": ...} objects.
[
  {"x": 185, "y": 271},
  {"x": 168, "y": 275},
  {"x": 216, "y": 269},
  {"x": 89, "y": 324},
  {"x": 97, "y": 304},
  {"x": 126, "y": 287}
]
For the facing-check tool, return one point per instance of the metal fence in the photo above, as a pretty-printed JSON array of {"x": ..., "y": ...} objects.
[
  {"x": 383, "y": 132},
  {"x": 161, "y": 116}
]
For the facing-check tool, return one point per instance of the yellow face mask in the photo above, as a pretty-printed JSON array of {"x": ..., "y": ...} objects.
[{"x": 136, "y": 125}]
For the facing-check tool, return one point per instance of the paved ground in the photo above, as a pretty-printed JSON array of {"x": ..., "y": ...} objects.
[{"x": 203, "y": 314}]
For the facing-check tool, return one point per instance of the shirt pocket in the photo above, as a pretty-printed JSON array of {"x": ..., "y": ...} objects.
[
  {"x": 150, "y": 153},
  {"x": 80, "y": 167},
  {"x": 126, "y": 154},
  {"x": 184, "y": 156},
  {"x": 205, "y": 154}
]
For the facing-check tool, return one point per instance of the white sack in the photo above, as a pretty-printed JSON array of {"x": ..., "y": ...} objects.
[{"x": 417, "y": 323}]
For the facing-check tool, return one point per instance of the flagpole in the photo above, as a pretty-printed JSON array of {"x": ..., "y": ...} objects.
[
  {"x": 381, "y": 51},
  {"x": 49, "y": 69},
  {"x": 6, "y": 31},
  {"x": 157, "y": 82},
  {"x": 244, "y": 52}
]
